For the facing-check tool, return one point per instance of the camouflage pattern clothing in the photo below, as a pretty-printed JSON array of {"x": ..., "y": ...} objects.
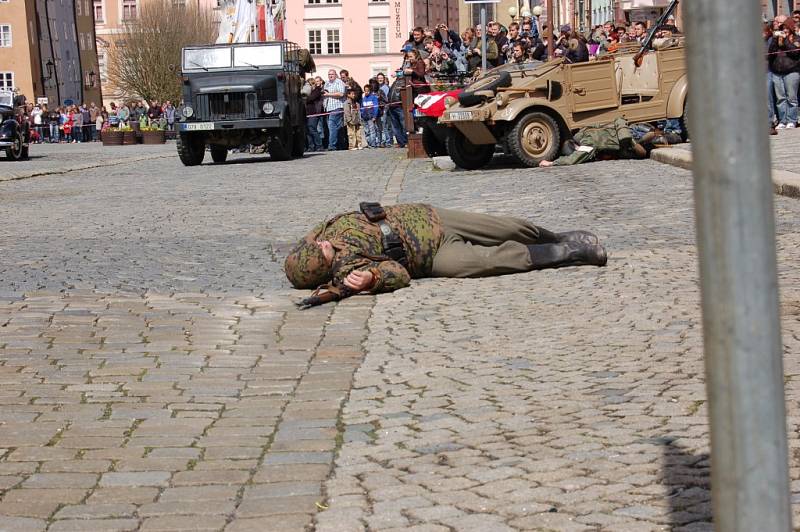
[
  {"x": 358, "y": 246},
  {"x": 594, "y": 141}
]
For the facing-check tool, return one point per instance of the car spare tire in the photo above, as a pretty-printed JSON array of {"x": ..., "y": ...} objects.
[{"x": 491, "y": 82}]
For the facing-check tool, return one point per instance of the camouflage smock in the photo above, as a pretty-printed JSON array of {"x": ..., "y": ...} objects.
[{"x": 358, "y": 245}]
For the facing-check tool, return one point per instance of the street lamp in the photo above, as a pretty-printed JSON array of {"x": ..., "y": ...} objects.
[
  {"x": 92, "y": 75},
  {"x": 512, "y": 12},
  {"x": 49, "y": 65}
]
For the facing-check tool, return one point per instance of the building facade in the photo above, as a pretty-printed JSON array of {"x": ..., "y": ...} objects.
[
  {"x": 19, "y": 57},
  {"x": 110, "y": 17},
  {"x": 40, "y": 50},
  {"x": 364, "y": 37}
]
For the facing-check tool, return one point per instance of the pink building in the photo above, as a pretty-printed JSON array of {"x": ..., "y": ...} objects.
[{"x": 361, "y": 36}]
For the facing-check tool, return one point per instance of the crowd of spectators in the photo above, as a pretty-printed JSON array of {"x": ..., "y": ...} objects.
[
  {"x": 782, "y": 43},
  {"x": 85, "y": 122}
]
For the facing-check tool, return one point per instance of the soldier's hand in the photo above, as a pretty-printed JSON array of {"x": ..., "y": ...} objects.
[{"x": 359, "y": 280}]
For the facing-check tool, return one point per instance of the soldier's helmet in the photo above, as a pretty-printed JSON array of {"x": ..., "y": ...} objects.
[{"x": 306, "y": 266}]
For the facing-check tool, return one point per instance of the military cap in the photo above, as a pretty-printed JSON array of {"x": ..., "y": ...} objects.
[{"x": 306, "y": 267}]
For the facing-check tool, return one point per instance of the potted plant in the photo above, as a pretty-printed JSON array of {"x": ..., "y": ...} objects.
[
  {"x": 153, "y": 134},
  {"x": 112, "y": 136},
  {"x": 128, "y": 135}
]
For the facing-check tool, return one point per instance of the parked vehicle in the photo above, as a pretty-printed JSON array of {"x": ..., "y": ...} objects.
[
  {"x": 15, "y": 138},
  {"x": 242, "y": 94},
  {"x": 529, "y": 109}
]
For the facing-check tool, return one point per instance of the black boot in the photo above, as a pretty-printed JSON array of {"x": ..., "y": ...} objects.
[
  {"x": 584, "y": 237},
  {"x": 567, "y": 254}
]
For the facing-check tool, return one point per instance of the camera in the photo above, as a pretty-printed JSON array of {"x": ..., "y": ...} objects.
[{"x": 779, "y": 34}]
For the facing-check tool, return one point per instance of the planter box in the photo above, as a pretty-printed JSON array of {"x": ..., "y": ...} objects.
[
  {"x": 153, "y": 137},
  {"x": 112, "y": 138},
  {"x": 128, "y": 138}
]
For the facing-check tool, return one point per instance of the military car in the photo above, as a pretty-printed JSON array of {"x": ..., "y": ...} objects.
[
  {"x": 15, "y": 138},
  {"x": 242, "y": 94},
  {"x": 528, "y": 109}
]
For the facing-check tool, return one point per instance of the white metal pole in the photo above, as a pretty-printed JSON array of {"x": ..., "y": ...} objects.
[{"x": 738, "y": 273}]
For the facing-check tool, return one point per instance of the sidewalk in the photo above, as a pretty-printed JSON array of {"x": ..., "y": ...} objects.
[
  {"x": 50, "y": 159},
  {"x": 785, "y": 161}
]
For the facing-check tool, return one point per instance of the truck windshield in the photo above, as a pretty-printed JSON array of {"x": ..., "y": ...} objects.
[
  {"x": 206, "y": 58},
  {"x": 268, "y": 55},
  {"x": 6, "y": 99}
]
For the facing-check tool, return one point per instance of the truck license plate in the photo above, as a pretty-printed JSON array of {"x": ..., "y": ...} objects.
[
  {"x": 461, "y": 115},
  {"x": 198, "y": 126}
]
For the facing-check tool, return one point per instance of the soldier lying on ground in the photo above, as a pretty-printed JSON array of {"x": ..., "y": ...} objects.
[
  {"x": 381, "y": 250},
  {"x": 613, "y": 141}
]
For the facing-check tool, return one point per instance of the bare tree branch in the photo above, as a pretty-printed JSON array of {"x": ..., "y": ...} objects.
[{"x": 144, "y": 62}]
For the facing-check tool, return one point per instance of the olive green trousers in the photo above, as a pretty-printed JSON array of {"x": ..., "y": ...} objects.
[{"x": 480, "y": 245}]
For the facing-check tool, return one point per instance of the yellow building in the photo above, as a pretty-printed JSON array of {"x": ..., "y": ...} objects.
[
  {"x": 19, "y": 57},
  {"x": 47, "y": 50}
]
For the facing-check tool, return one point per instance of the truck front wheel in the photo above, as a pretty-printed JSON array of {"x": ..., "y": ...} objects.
[
  {"x": 467, "y": 155},
  {"x": 281, "y": 146},
  {"x": 534, "y": 138},
  {"x": 191, "y": 149}
]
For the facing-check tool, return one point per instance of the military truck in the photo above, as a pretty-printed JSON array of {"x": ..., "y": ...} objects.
[
  {"x": 238, "y": 94},
  {"x": 15, "y": 137},
  {"x": 528, "y": 109}
]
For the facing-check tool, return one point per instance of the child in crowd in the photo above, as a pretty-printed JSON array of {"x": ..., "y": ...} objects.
[
  {"x": 352, "y": 118},
  {"x": 369, "y": 113}
]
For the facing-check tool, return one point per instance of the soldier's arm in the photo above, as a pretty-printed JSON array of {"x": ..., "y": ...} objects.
[{"x": 389, "y": 276}]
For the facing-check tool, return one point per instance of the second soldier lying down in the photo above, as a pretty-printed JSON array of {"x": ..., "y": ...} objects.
[{"x": 381, "y": 250}]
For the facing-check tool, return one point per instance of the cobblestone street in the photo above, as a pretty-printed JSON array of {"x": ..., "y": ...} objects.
[{"x": 156, "y": 376}]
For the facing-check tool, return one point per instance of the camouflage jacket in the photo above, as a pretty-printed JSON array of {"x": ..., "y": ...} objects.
[
  {"x": 358, "y": 245},
  {"x": 609, "y": 138}
]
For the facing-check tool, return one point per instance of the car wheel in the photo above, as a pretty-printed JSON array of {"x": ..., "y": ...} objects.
[
  {"x": 492, "y": 82},
  {"x": 281, "y": 146},
  {"x": 685, "y": 122},
  {"x": 299, "y": 145},
  {"x": 191, "y": 149},
  {"x": 467, "y": 155},
  {"x": 219, "y": 154},
  {"x": 432, "y": 145},
  {"x": 534, "y": 138},
  {"x": 15, "y": 151}
]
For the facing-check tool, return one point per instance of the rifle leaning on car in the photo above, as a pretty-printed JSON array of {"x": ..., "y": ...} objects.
[{"x": 637, "y": 59}]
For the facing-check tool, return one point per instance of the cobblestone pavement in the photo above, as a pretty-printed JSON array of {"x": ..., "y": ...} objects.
[
  {"x": 155, "y": 376},
  {"x": 46, "y": 159}
]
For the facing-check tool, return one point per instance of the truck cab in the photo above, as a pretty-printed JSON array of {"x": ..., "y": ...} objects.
[{"x": 236, "y": 94}]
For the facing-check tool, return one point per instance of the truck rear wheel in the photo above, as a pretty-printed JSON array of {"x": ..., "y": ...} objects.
[
  {"x": 191, "y": 149},
  {"x": 281, "y": 146},
  {"x": 467, "y": 155},
  {"x": 219, "y": 154},
  {"x": 432, "y": 145},
  {"x": 299, "y": 143},
  {"x": 534, "y": 138}
]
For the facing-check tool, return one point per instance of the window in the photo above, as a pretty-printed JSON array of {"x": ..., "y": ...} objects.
[
  {"x": 128, "y": 9},
  {"x": 179, "y": 3},
  {"x": 379, "y": 68},
  {"x": 98, "y": 11},
  {"x": 379, "y": 40},
  {"x": 5, "y": 35},
  {"x": 78, "y": 8},
  {"x": 333, "y": 41},
  {"x": 101, "y": 66},
  {"x": 7, "y": 80},
  {"x": 476, "y": 14},
  {"x": 323, "y": 1},
  {"x": 315, "y": 42},
  {"x": 80, "y": 41}
]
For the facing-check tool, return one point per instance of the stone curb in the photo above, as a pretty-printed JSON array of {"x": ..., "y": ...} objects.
[
  {"x": 57, "y": 171},
  {"x": 785, "y": 183}
]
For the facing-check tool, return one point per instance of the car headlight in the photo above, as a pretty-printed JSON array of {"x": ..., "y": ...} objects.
[
  {"x": 501, "y": 99},
  {"x": 268, "y": 108},
  {"x": 188, "y": 111}
]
